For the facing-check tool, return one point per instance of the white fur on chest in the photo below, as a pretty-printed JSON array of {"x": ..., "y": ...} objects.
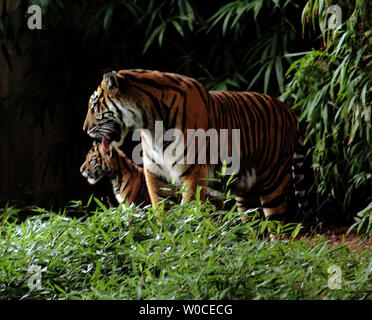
[
  {"x": 159, "y": 162},
  {"x": 119, "y": 198}
]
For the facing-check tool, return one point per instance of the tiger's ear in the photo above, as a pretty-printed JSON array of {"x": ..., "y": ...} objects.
[{"x": 110, "y": 81}]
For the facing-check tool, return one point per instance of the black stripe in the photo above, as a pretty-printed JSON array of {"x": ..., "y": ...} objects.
[
  {"x": 280, "y": 199},
  {"x": 259, "y": 132},
  {"x": 116, "y": 108},
  {"x": 154, "y": 101},
  {"x": 168, "y": 76},
  {"x": 201, "y": 91},
  {"x": 275, "y": 217},
  {"x": 183, "y": 80},
  {"x": 188, "y": 170},
  {"x": 267, "y": 121},
  {"x": 275, "y": 179},
  {"x": 172, "y": 123},
  {"x": 249, "y": 130},
  {"x": 153, "y": 83}
]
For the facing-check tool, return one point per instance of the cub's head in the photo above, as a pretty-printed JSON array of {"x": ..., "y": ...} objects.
[
  {"x": 99, "y": 162},
  {"x": 112, "y": 110}
]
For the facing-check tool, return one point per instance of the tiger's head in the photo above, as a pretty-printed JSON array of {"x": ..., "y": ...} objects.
[
  {"x": 99, "y": 163},
  {"x": 112, "y": 110}
]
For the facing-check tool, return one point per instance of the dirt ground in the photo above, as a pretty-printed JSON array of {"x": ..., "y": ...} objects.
[{"x": 339, "y": 235}]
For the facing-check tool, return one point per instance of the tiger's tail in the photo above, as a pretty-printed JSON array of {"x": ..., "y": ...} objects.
[{"x": 300, "y": 175}]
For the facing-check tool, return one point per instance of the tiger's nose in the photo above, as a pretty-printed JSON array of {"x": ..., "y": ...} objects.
[
  {"x": 82, "y": 168},
  {"x": 87, "y": 128},
  {"x": 85, "y": 125}
]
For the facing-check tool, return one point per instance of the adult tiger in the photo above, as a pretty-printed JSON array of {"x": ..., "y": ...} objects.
[{"x": 135, "y": 99}]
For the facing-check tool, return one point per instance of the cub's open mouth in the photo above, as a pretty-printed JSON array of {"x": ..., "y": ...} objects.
[{"x": 106, "y": 143}]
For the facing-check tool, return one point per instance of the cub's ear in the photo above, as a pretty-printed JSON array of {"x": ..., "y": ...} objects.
[{"x": 110, "y": 81}]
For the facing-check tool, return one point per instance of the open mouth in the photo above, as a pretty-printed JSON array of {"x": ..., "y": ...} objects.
[
  {"x": 113, "y": 136},
  {"x": 93, "y": 180},
  {"x": 106, "y": 143}
]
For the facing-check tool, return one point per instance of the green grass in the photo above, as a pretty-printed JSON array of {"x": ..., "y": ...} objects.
[{"x": 190, "y": 253}]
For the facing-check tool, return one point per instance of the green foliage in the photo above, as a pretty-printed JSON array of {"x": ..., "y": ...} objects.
[
  {"x": 186, "y": 29},
  {"x": 267, "y": 54},
  {"x": 331, "y": 87},
  {"x": 191, "y": 252},
  {"x": 363, "y": 222}
]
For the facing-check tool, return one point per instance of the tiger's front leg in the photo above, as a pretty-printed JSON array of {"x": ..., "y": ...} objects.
[
  {"x": 190, "y": 182},
  {"x": 152, "y": 182}
]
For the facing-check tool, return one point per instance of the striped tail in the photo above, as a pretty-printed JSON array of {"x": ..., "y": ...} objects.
[{"x": 300, "y": 175}]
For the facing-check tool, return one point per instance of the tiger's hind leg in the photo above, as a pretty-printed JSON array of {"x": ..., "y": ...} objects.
[
  {"x": 273, "y": 191},
  {"x": 247, "y": 202},
  {"x": 274, "y": 194}
]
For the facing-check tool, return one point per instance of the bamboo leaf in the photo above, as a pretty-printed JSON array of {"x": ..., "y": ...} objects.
[
  {"x": 178, "y": 27},
  {"x": 107, "y": 18},
  {"x": 279, "y": 73},
  {"x": 267, "y": 75},
  {"x": 100, "y": 204},
  {"x": 226, "y": 21},
  {"x": 151, "y": 39}
]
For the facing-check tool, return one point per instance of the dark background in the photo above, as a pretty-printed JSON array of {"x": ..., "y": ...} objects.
[{"x": 48, "y": 75}]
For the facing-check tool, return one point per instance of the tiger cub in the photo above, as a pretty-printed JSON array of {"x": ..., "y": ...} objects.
[{"x": 127, "y": 178}]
